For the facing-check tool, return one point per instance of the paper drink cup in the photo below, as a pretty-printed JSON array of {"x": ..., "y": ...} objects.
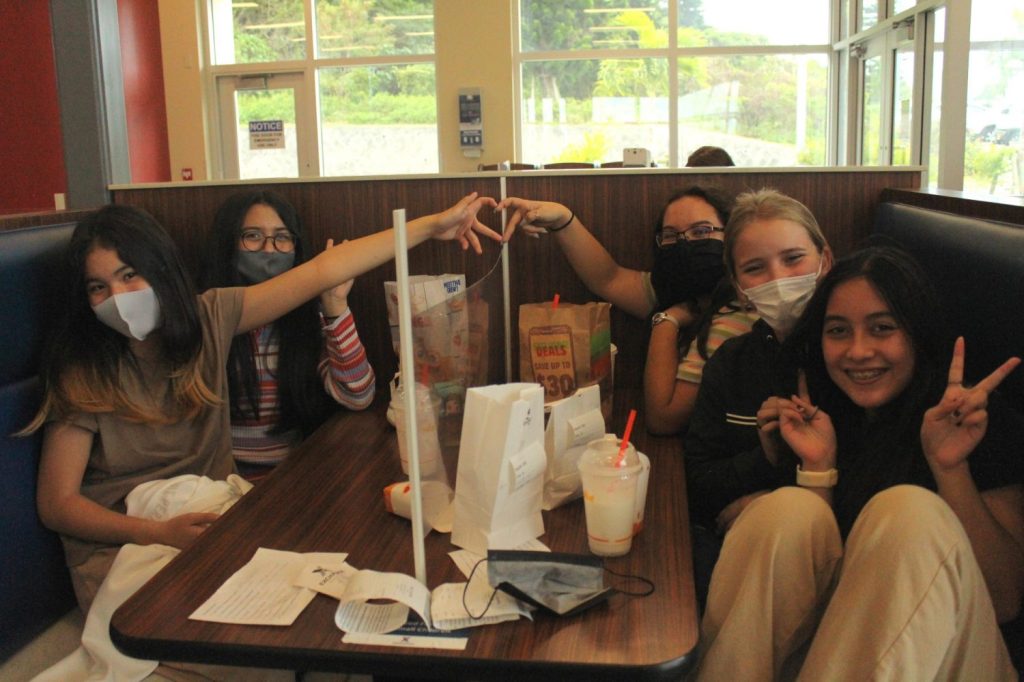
[
  {"x": 428, "y": 407},
  {"x": 609, "y": 495}
]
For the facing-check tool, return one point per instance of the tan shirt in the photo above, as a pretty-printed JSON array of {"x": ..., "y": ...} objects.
[{"x": 125, "y": 454}]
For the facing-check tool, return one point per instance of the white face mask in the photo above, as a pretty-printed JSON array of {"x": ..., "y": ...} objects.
[
  {"x": 133, "y": 313},
  {"x": 781, "y": 302}
]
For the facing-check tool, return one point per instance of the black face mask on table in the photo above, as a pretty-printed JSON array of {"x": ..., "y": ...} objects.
[
  {"x": 686, "y": 270},
  {"x": 560, "y": 583}
]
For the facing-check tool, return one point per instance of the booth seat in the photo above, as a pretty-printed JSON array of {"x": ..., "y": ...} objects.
[
  {"x": 35, "y": 588},
  {"x": 978, "y": 268}
]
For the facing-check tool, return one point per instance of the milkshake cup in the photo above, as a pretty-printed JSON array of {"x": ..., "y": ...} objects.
[{"x": 609, "y": 495}]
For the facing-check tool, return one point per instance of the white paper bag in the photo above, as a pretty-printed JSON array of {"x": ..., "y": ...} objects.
[
  {"x": 500, "y": 479},
  {"x": 574, "y": 422}
]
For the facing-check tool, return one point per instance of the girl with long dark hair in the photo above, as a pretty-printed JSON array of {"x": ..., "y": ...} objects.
[
  {"x": 286, "y": 377},
  {"x": 135, "y": 377},
  {"x": 693, "y": 304},
  {"x": 899, "y": 549}
]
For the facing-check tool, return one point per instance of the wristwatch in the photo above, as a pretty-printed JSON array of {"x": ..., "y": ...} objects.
[
  {"x": 662, "y": 316},
  {"x": 816, "y": 479}
]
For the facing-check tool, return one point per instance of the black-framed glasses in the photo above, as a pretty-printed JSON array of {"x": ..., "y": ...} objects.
[
  {"x": 254, "y": 240},
  {"x": 695, "y": 232}
]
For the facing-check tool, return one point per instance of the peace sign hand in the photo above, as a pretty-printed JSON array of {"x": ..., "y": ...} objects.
[
  {"x": 807, "y": 430},
  {"x": 952, "y": 429}
]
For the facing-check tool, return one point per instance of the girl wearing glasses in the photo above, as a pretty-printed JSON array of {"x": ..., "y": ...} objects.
[
  {"x": 695, "y": 304},
  {"x": 135, "y": 377},
  {"x": 284, "y": 378}
]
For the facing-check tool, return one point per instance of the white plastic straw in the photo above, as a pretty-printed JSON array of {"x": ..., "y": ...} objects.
[{"x": 408, "y": 371}]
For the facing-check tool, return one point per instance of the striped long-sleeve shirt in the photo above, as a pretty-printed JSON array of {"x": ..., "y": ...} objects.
[{"x": 346, "y": 373}]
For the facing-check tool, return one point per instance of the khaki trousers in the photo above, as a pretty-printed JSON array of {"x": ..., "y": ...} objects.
[{"x": 905, "y": 601}]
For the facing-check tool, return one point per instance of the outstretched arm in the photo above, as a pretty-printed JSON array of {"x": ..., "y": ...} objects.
[
  {"x": 63, "y": 508},
  {"x": 265, "y": 302},
  {"x": 621, "y": 286}
]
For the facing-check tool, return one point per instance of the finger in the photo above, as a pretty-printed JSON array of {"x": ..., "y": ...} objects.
[
  {"x": 946, "y": 407},
  {"x": 801, "y": 385},
  {"x": 479, "y": 228},
  {"x": 974, "y": 419},
  {"x": 989, "y": 383},
  {"x": 330, "y": 243},
  {"x": 475, "y": 242},
  {"x": 956, "y": 367}
]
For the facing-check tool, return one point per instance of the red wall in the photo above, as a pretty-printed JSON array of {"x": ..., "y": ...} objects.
[
  {"x": 142, "y": 65},
  {"x": 31, "y": 148}
]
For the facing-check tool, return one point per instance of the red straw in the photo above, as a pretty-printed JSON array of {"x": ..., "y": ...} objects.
[
  {"x": 620, "y": 461},
  {"x": 554, "y": 303}
]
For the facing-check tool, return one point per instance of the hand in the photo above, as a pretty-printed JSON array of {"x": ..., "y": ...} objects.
[
  {"x": 334, "y": 301},
  {"x": 534, "y": 216},
  {"x": 767, "y": 426},
  {"x": 460, "y": 222},
  {"x": 181, "y": 531},
  {"x": 952, "y": 429},
  {"x": 726, "y": 517},
  {"x": 807, "y": 430}
]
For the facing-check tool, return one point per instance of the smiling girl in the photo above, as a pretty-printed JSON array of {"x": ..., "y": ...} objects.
[
  {"x": 900, "y": 548},
  {"x": 775, "y": 253},
  {"x": 135, "y": 380}
]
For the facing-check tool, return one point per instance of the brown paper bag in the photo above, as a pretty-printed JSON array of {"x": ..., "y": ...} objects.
[{"x": 566, "y": 347}]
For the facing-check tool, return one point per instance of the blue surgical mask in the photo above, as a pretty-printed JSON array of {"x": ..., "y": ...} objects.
[
  {"x": 133, "y": 313},
  {"x": 259, "y": 266}
]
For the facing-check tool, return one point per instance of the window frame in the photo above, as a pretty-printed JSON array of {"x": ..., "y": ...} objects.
[
  {"x": 672, "y": 53},
  {"x": 311, "y": 142}
]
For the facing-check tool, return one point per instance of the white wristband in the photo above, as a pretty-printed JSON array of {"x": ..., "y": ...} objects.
[{"x": 816, "y": 479}]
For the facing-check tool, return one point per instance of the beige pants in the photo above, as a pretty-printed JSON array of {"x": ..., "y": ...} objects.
[{"x": 905, "y": 601}]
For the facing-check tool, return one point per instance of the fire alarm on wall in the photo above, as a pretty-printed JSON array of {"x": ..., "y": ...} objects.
[{"x": 186, "y": 173}]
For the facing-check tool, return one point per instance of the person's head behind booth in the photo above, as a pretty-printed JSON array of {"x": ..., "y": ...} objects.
[
  {"x": 231, "y": 261},
  {"x": 709, "y": 156}
]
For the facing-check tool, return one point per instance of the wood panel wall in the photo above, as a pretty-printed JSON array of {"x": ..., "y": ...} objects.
[{"x": 620, "y": 208}]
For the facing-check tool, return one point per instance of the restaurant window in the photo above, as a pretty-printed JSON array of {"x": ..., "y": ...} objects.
[
  {"x": 994, "y": 150},
  {"x": 364, "y": 74},
  {"x": 597, "y": 76}
]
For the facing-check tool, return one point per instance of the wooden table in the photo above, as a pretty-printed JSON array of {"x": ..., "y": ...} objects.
[{"x": 327, "y": 497}]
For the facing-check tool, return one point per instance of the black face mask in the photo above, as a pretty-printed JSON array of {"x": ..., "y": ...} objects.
[{"x": 686, "y": 270}]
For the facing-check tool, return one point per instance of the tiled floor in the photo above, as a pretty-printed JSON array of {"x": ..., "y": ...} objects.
[{"x": 65, "y": 635}]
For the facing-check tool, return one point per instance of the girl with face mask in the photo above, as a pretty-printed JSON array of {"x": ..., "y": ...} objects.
[
  {"x": 135, "y": 377},
  {"x": 286, "y": 377},
  {"x": 774, "y": 252},
  {"x": 694, "y": 305},
  {"x": 899, "y": 547}
]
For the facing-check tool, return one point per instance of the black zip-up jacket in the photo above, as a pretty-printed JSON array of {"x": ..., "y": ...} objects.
[{"x": 724, "y": 458}]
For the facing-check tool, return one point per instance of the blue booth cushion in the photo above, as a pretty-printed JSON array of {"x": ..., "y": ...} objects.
[
  {"x": 30, "y": 269},
  {"x": 35, "y": 586}
]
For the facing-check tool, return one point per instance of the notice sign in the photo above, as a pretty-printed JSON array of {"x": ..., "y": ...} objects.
[{"x": 266, "y": 134}]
